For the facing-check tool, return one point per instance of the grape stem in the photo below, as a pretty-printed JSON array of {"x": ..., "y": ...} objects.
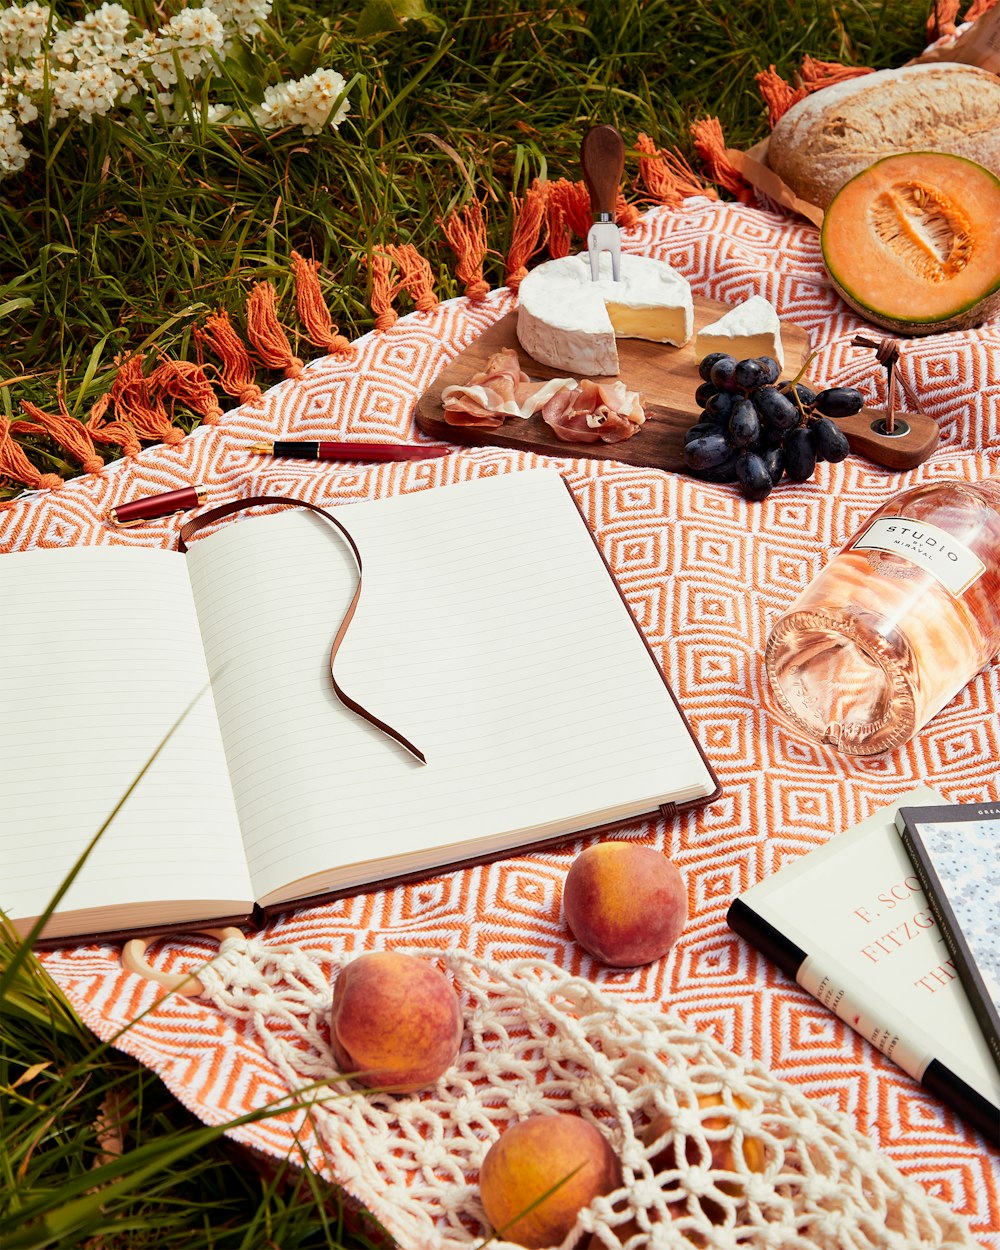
[{"x": 791, "y": 386}]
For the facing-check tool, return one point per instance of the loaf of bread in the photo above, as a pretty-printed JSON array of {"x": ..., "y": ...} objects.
[{"x": 836, "y": 132}]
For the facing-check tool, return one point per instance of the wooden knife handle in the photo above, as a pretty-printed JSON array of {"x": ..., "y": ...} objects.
[{"x": 602, "y": 155}]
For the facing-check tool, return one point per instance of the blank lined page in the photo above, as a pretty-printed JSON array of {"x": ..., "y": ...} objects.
[
  {"x": 101, "y": 655},
  {"x": 488, "y": 632}
]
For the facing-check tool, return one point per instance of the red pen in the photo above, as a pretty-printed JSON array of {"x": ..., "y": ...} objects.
[
  {"x": 136, "y": 511},
  {"x": 373, "y": 453}
]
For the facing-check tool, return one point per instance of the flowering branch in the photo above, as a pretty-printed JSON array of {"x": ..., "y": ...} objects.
[{"x": 103, "y": 61}]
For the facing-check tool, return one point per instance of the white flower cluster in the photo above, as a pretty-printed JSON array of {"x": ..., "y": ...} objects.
[
  {"x": 102, "y": 60},
  {"x": 307, "y": 102},
  {"x": 241, "y": 18},
  {"x": 186, "y": 45},
  {"x": 13, "y": 153}
]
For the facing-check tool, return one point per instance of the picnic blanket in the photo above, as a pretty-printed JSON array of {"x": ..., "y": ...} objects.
[{"x": 706, "y": 574}]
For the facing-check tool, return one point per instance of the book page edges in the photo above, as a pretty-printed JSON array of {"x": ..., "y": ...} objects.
[
  {"x": 115, "y": 924},
  {"x": 323, "y": 887}
]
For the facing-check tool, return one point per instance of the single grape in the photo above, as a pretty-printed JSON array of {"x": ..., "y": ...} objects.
[
  {"x": 776, "y": 411},
  {"x": 724, "y": 472},
  {"x": 839, "y": 401},
  {"x": 749, "y": 374},
  {"x": 720, "y": 405},
  {"x": 701, "y": 430},
  {"x": 830, "y": 441},
  {"x": 721, "y": 374},
  {"x": 709, "y": 362},
  {"x": 744, "y": 424},
  {"x": 791, "y": 389},
  {"x": 705, "y": 393},
  {"x": 800, "y": 454},
  {"x": 774, "y": 461},
  {"x": 772, "y": 370},
  {"x": 753, "y": 476},
  {"x": 772, "y": 438},
  {"x": 708, "y": 452}
]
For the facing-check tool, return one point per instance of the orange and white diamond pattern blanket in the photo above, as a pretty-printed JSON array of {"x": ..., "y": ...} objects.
[{"x": 706, "y": 573}]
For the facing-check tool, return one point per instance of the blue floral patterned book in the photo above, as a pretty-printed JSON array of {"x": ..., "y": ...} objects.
[{"x": 955, "y": 851}]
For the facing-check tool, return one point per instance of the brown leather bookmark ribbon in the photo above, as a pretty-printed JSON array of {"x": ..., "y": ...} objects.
[{"x": 190, "y": 528}]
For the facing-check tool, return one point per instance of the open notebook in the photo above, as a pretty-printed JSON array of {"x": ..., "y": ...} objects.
[{"x": 489, "y": 632}]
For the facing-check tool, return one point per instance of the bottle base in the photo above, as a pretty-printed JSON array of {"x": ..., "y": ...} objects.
[{"x": 839, "y": 682}]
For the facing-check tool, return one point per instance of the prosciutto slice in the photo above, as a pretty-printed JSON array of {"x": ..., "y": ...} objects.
[
  {"x": 500, "y": 391},
  {"x": 592, "y": 412}
]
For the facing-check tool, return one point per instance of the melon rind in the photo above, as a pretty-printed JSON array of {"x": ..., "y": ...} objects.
[{"x": 963, "y": 317}]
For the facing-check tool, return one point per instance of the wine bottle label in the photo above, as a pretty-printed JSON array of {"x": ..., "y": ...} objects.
[{"x": 933, "y": 549}]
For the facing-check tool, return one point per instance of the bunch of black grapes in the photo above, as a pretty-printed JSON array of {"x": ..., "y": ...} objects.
[{"x": 753, "y": 429}]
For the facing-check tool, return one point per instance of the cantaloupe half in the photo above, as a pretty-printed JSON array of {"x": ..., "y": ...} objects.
[{"x": 912, "y": 243}]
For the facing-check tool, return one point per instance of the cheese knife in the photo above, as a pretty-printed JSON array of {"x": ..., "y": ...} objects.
[{"x": 602, "y": 155}]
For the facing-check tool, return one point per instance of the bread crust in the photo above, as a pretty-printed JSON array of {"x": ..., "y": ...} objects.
[{"x": 834, "y": 133}]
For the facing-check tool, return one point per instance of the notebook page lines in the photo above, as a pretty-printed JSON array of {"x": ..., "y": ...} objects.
[
  {"x": 511, "y": 662},
  {"x": 102, "y": 656}
]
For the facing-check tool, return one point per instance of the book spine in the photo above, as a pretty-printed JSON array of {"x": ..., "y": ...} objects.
[
  {"x": 848, "y": 1005},
  {"x": 771, "y": 943}
]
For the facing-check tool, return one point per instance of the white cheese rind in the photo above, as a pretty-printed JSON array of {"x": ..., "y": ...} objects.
[
  {"x": 563, "y": 320},
  {"x": 750, "y": 329}
]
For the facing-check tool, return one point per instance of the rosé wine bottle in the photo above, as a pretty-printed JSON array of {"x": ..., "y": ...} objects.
[{"x": 895, "y": 624}]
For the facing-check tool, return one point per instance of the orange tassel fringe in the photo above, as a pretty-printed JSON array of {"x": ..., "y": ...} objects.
[
  {"x": 815, "y": 75},
  {"x": 558, "y": 231},
  {"x": 416, "y": 276},
  {"x": 977, "y": 8},
  {"x": 711, "y": 149},
  {"x": 525, "y": 242},
  {"x": 237, "y": 374},
  {"x": 135, "y": 402},
  {"x": 104, "y": 429},
  {"x": 626, "y": 214},
  {"x": 63, "y": 428},
  {"x": 186, "y": 383},
  {"x": 16, "y": 466},
  {"x": 666, "y": 176},
  {"x": 267, "y": 337},
  {"x": 941, "y": 20},
  {"x": 384, "y": 289},
  {"x": 312, "y": 309},
  {"x": 466, "y": 235},
  {"x": 574, "y": 199},
  {"x": 779, "y": 96}
]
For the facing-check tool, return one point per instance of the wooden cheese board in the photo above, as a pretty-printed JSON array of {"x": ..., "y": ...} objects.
[{"x": 666, "y": 377}]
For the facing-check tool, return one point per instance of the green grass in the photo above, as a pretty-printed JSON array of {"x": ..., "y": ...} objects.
[{"x": 123, "y": 235}]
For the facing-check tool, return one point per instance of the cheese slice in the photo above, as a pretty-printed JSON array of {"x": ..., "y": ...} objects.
[
  {"x": 750, "y": 329},
  {"x": 567, "y": 320}
]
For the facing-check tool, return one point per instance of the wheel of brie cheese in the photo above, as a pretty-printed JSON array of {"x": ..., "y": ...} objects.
[{"x": 568, "y": 321}]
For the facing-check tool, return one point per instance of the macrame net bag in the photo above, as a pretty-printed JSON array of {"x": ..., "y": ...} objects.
[{"x": 538, "y": 1040}]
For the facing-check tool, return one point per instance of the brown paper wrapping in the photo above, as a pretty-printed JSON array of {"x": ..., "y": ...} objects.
[{"x": 979, "y": 45}]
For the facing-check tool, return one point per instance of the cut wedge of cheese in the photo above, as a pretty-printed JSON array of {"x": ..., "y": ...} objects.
[
  {"x": 568, "y": 321},
  {"x": 750, "y": 329}
]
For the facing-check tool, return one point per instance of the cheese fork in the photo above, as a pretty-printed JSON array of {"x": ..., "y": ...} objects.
[{"x": 602, "y": 155}]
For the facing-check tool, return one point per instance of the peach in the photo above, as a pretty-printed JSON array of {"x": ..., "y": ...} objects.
[
  {"x": 625, "y": 904},
  {"x": 396, "y": 1022},
  {"x": 722, "y": 1158},
  {"x": 723, "y": 1150},
  {"x": 562, "y": 1153}
]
